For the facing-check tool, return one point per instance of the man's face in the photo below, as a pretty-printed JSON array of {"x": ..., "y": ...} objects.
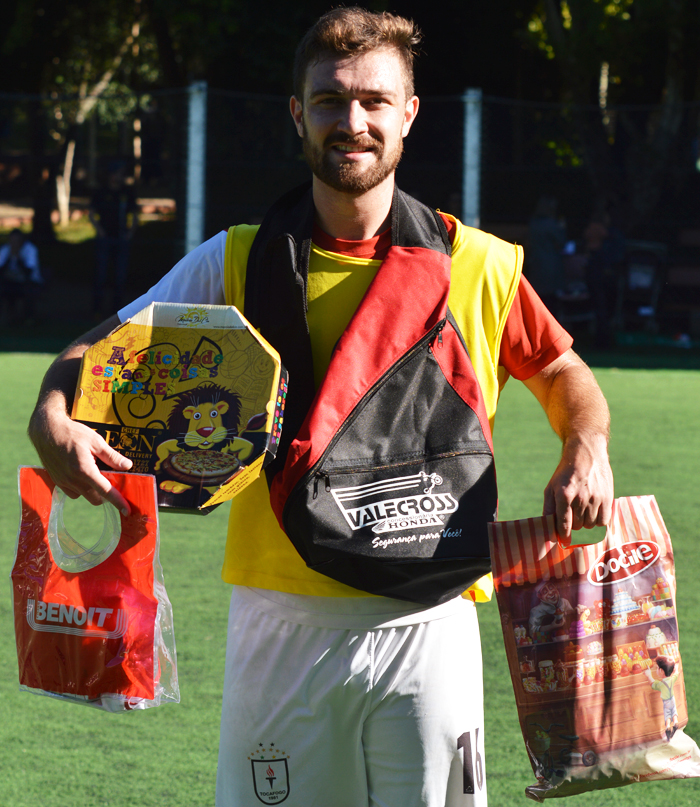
[{"x": 353, "y": 118}]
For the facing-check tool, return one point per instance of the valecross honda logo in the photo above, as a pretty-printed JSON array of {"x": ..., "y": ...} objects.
[
  {"x": 623, "y": 562},
  {"x": 378, "y": 506},
  {"x": 53, "y": 617}
]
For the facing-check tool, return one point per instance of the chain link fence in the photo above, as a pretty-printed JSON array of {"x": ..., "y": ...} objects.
[{"x": 253, "y": 155}]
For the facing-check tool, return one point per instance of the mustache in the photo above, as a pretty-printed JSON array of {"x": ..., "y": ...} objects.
[{"x": 340, "y": 138}]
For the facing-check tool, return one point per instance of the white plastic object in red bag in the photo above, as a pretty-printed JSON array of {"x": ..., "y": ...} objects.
[
  {"x": 592, "y": 640},
  {"x": 93, "y": 624}
]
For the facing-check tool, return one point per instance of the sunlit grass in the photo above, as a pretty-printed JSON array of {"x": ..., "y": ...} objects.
[{"x": 61, "y": 755}]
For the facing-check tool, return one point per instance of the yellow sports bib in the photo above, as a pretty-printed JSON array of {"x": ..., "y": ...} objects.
[{"x": 485, "y": 277}]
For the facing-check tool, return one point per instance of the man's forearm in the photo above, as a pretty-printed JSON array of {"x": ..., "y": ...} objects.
[
  {"x": 68, "y": 449},
  {"x": 580, "y": 491},
  {"x": 58, "y": 387},
  {"x": 572, "y": 400}
]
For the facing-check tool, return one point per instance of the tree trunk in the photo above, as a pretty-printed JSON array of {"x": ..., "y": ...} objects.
[
  {"x": 41, "y": 176},
  {"x": 641, "y": 181},
  {"x": 63, "y": 182},
  {"x": 87, "y": 103},
  {"x": 650, "y": 157}
]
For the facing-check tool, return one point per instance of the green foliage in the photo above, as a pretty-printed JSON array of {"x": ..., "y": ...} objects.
[
  {"x": 564, "y": 154},
  {"x": 200, "y": 32},
  {"x": 629, "y": 35},
  {"x": 74, "y": 50},
  {"x": 612, "y": 52}
]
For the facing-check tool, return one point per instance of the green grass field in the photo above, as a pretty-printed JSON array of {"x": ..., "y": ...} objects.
[{"x": 60, "y": 755}]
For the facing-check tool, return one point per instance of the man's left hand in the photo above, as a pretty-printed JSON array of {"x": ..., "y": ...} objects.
[{"x": 580, "y": 492}]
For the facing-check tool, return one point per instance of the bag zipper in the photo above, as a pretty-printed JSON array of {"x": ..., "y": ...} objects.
[
  {"x": 372, "y": 468},
  {"x": 433, "y": 335}
]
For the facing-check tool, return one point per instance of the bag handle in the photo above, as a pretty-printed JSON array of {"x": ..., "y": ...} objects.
[
  {"x": 70, "y": 555},
  {"x": 586, "y": 537}
]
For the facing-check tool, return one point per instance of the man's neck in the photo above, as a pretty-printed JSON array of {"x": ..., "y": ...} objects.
[{"x": 353, "y": 217}]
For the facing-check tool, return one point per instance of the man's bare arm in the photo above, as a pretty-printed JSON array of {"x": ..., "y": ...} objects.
[
  {"x": 68, "y": 449},
  {"x": 580, "y": 493}
]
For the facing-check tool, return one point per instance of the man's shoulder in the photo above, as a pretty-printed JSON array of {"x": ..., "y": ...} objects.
[
  {"x": 482, "y": 240},
  {"x": 475, "y": 250},
  {"x": 245, "y": 233},
  {"x": 239, "y": 240}
]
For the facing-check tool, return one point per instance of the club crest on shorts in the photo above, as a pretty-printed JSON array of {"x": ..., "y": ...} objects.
[
  {"x": 394, "y": 504},
  {"x": 270, "y": 774}
]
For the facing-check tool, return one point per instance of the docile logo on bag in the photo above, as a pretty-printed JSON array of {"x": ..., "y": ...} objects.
[
  {"x": 623, "y": 562},
  {"x": 53, "y": 617}
]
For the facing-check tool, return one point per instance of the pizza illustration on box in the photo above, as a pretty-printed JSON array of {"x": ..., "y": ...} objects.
[{"x": 204, "y": 447}]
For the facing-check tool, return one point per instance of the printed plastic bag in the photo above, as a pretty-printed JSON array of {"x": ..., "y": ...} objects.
[
  {"x": 93, "y": 625},
  {"x": 591, "y": 637}
]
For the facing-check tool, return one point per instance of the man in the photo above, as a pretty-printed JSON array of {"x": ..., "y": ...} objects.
[
  {"x": 113, "y": 214},
  {"x": 20, "y": 276},
  {"x": 332, "y": 696}
]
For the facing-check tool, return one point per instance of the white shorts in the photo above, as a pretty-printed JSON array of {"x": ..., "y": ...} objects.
[{"x": 379, "y": 710}]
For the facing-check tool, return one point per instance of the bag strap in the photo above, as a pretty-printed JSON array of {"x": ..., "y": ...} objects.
[{"x": 276, "y": 287}]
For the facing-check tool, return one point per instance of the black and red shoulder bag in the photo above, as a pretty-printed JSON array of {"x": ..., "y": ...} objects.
[{"x": 385, "y": 477}]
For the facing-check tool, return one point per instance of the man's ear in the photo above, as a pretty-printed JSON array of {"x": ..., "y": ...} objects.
[
  {"x": 297, "y": 114},
  {"x": 409, "y": 115}
]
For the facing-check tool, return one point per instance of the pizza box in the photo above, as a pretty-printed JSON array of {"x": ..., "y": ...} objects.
[{"x": 190, "y": 393}]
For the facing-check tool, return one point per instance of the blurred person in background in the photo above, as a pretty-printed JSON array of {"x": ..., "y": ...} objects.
[
  {"x": 544, "y": 261},
  {"x": 113, "y": 214},
  {"x": 20, "y": 277},
  {"x": 604, "y": 248}
]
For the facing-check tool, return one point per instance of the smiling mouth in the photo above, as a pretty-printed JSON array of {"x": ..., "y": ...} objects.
[{"x": 347, "y": 148}]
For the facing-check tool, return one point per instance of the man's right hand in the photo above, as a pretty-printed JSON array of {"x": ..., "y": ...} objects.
[{"x": 67, "y": 449}]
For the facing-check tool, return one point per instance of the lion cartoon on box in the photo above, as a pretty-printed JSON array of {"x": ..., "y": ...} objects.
[{"x": 205, "y": 419}]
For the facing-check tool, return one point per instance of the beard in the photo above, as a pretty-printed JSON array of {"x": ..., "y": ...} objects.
[{"x": 351, "y": 177}]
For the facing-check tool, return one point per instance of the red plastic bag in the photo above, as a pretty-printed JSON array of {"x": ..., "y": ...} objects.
[
  {"x": 592, "y": 641},
  {"x": 93, "y": 625}
]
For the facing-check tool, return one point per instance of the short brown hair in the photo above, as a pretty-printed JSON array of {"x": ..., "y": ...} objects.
[{"x": 353, "y": 31}]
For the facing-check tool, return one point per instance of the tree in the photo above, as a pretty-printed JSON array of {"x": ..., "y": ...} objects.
[
  {"x": 612, "y": 52},
  {"x": 72, "y": 54}
]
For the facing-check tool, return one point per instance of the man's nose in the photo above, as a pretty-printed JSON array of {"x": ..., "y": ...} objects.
[{"x": 354, "y": 120}]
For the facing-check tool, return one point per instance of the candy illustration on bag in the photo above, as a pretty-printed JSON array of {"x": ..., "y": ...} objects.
[
  {"x": 598, "y": 623},
  {"x": 93, "y": 624}
]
